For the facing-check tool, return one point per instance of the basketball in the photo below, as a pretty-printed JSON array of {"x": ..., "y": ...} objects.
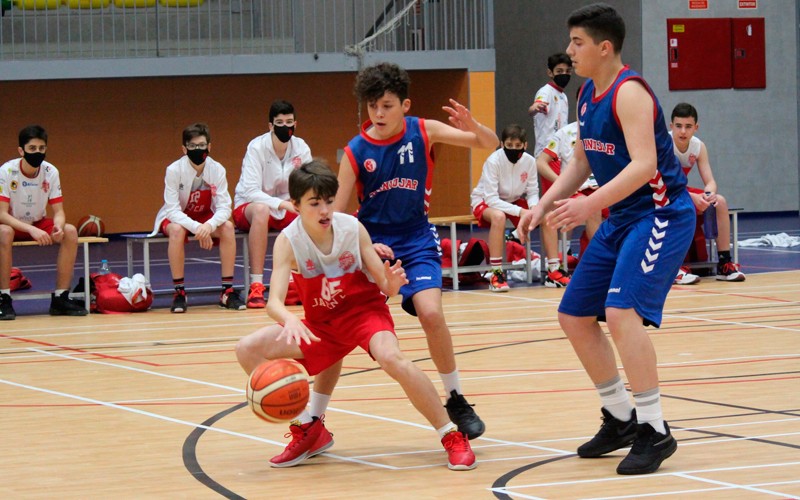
[
  {"x": 277, "y": 390},
  {"x": 91, "y": 225}
]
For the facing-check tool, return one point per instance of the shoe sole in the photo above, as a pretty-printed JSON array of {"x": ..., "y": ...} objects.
[
  {"x": 693, "y": 282},
  {"x": 291, "y": 463},
  {"x": 7, "y": 318},
  {"x": 499, "y": 290},
  {"x": 321, "y": 449},
  {"x": 178, "y": 311},
  {"x": 256, "y": 306},
  {"x": 462, "y": 466},
  {"x": 242, "y": 308},
  {"x": 554, "y": 285},
  {"x": 738, "y": 278},
  {"x": 654, "y": 466},
  {"x": 68, "y": 313}
]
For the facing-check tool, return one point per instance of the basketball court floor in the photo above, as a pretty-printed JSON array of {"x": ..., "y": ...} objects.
[{"x": 152, "y": 404}]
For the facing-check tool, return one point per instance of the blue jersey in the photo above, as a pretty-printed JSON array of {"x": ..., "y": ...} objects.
[
  {"x": 393, "y": 178},
  {"x": 604, "y": 144}
]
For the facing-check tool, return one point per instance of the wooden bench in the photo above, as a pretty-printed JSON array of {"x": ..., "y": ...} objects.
[
  {"x": 84, "y": 241},
  {"x": 452, "y": 222},
  {"x": 143, "y": 239}
]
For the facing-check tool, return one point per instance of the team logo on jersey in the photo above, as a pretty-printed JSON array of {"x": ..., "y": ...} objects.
[
  {"x": 13, "y": 186},
  {"x": 45, "y": 187},
  {"x": 213, "y": 189},
  {"x": 310, "y": 265},
  {"x": 599, "y": 146},
  {"x": 406, "y": 151},
  {"x": 551, "y": 145},
  {"x": 692, "y": 160},
  {"x": 583, "y": 110},
  {"x": 523, "y": 177},
  {"x": 297, "y": 161},
  {"x": 180, "y": 187},
  {"x": 370, "y": 165},
  {"x": 346, "y": 261}
]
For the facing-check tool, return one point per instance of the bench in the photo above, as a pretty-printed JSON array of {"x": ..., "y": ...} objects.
[
  {"x": 143, "y": 239},
  {"x": 84, "y": 241},
  {"x": 452, "y": 272},
  {"x": 711, "y": 244}
]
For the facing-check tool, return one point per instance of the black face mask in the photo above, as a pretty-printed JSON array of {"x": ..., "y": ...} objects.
[
  {"x": 562, "y": 80},
  {"x": 513, "y": 155},
  {"x": 283, "y": 132},
  {"x": 197, "y": 156},
  {"x": 34, "y": 159}
]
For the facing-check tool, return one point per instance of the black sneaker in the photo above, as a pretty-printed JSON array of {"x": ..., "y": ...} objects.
[
  {"x": 179, "y": 302},
  {"x": 231, "y": 300},
  {"x": 62, "y": 305},
  {"x": 6, "y": 310},
  {"x": 649, "y": 449},
  {"x": 462, "y": 414},
  {"x": 613, "y": 435}
]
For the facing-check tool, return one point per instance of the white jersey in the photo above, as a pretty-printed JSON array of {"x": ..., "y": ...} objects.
[
  {"x": 688, "y": 158},
  {"x": 561, "y": 146},
  {"x": 344, "y": 257},
  {"x": 27, "y": 197},
  {"x": 265, "y": 177},
  {"x": 546, "y": 124},
  {"x": 502, "y": 183}
]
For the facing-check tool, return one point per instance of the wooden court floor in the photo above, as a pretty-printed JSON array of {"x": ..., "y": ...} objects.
[{"x": 151, "y": 405}]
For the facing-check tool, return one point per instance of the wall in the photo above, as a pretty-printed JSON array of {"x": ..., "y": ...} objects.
[
  {"x": 751, "y": 135},
  {"x": 113, "y": 138}
]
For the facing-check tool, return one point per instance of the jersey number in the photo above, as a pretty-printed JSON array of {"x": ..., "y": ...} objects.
[{"x": 407, "y": 148}]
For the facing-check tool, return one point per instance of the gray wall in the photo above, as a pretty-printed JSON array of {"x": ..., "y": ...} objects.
[{"x": 753, "y": 136}]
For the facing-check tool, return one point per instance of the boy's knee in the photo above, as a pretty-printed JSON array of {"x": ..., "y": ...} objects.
[
  {"x": 70, "y": 234},
  {"x": 6, "y": 235},
  {"x": 176, "y": 232},
  {"x": 497, "y": 218}
]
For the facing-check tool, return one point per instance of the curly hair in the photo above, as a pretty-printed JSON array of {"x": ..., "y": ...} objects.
[{"x": 373, "y": 82}]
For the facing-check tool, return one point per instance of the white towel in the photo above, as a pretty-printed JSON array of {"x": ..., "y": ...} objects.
[
  {"x": 134, "y": 289},
  {"x": 772, "y": 240}
]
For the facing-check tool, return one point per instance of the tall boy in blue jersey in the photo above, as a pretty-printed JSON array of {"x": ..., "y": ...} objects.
[
  {"x": 390, "y": 163},
  {"x": 626, "y": 272}
]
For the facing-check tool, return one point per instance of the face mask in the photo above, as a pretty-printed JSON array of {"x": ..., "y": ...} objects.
[
  {"x": 283, "y": 133},
  {"x": 561, "y": 80},
  {"x": 197, "y": 156},
  {"x": 513, "y": 155},
  {"x": 34, "y": 159}
]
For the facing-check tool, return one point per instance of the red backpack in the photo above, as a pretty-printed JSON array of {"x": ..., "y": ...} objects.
[
  {"x": 475, "y": 253},
  {"x": 18, "y": 280}
]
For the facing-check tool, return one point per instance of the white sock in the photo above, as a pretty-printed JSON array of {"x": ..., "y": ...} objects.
[
  {"x": 304, "y": 417},
  {"x": 615, "y": 398},
  {"x": 6, "y": 291},
  {"x": 451, "y": 382},
  {"x": 648, "y": 409},
  {"x": 256, "y": 278},
  {"x": 59, "y": 291},
  {"x": 553, "y": 264},
  {"x": 446, "y": 429},
  {"x": 318, "y": 403}
]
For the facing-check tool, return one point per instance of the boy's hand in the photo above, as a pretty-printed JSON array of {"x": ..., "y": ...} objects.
[
  {"x": 528, "y": 220},
  {"x": 295, "y": 332},
  {"x": 57, "y": 235},
  {"x": 384, "y": 252},
  {"x": 203, "y": 235},
  {"x": 700, "y": 203},
  {"x": 538, "y": 107},
  {"x": 460, "y": 117},
  {"x": 40, "y": 237},
  {"x": 288, "y": 206},
  {"x": 569, "y": 213},
  {"x": 395, "y": 276}
]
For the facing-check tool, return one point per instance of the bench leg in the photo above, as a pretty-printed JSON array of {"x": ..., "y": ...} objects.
[
  {"x": 87, "y": 296},
  {"x": 246, "y": 263},
  {"x": 129, "y": 251},
  {"x": 735, "y": 228},
  {"x": 454, "y": 254},
  {"x": 146, "y": 248}
]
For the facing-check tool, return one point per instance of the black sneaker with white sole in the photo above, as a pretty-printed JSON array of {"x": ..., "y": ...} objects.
[
  {"x": 613, "y": 435},
  {"x": 6, "y": 309},
  {"x": 179, "y": 301},
  {"x": 649, "y": 449},
  {"x": 462, "y": 414}
]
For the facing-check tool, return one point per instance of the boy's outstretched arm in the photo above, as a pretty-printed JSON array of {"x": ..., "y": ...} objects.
[
  {"x": 347, "y": 180},
  {"x": 464, "y": 130},
  {"x": 293, "y": 329}
]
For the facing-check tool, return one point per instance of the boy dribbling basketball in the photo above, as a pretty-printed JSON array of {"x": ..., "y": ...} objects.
[{"x": 342, "y": 282}]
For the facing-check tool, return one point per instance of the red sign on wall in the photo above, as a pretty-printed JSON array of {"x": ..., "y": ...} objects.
[
  {"x": 698, "y": 4},
  {"x": 748, "y": 4}
]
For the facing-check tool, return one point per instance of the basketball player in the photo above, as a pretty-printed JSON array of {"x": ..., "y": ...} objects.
[
  {"x": 626, "y": 272},
  {"x": 196, "y": 201},
  {"x": 261, "y": 199},
  {"x": 341, "y": 281},
  {"x": 27, "y": 185},
  {"x": 391, "y": 163}
]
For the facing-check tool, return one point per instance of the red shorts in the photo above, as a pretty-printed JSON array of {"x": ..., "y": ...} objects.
[
  {"x": 340, "y": 336},
  {"x": 544, "y": 183},
  {"x": 482, "y": 206},
  {"x": 201, "y": 218},
  {"x": 242, "y": 224},
  {"x": 45, "y": 225}
]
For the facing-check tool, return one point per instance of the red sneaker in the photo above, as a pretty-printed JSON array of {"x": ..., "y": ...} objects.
[
  {"x": 255, "y": 300},
  {"x": 324, "y": 441},
  {"x": 498, "y": 283},
  {"x": 304, "y": 439},
  {"x": 459, "y": 452},
  {"x": 556, "y": 279}
]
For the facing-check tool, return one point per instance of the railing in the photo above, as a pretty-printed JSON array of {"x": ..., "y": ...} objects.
[{"x": 120, "y": 29}]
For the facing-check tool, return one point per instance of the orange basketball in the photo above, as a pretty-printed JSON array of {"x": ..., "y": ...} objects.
[
  {"x": 277, "y": 390},
  {"x": 91, "y": 225}
]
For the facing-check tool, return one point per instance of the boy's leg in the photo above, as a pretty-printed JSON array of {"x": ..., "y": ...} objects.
[
  {"x": 261, "y": 346},
  {"x": 229, "y": 298},
  {"x": 497, "y": 226},
  {"x": 258, "y": 216},
  {"x": 6, "y": 239},
  {"x": 66, "y": 257},
  {"x": 175, "y": 249},
  {"x": 727, "y": 270},
  {"x": 384, "y": 348}
]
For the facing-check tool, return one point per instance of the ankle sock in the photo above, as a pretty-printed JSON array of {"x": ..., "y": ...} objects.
[{"x": 615, "y": 398}]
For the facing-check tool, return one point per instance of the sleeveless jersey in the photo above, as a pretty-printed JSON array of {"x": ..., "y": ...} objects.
[
  {"x": 604, "y": 144},
  {"x": 393, "y": 178},
  {"x": 689, "y": 158},
  {"x": 334, "y": 284}
]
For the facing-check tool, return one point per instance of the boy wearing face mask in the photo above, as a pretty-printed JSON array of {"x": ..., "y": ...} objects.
[
  {"x": 27, "y": 185},
  {"x": 261, "y": 199},
  {"x": 550, "y": 108},
  {"x": 508, "y": 186},
  {"x": 196, "y": 200}
]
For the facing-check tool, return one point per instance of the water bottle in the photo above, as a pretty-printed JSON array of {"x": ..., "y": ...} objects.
[
  {"x": 103, "y": 267},
  {"x": 710, "y": 222}
]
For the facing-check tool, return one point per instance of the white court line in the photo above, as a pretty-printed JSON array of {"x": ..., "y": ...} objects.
[
  {"x": 737, "y": 323},
  {"x": 733, "y": 486}
]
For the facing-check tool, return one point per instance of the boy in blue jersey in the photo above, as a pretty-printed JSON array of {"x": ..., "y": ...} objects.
[
  {"x": 626, "y": 272},
  {"x": 391, "y": 164}
]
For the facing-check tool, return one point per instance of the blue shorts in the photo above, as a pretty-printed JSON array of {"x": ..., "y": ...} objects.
[
  {"x": 421, "y": 253},
  {"x": 632, "y": 265}
]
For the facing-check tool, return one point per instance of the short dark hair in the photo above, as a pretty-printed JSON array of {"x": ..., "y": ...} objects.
[
  {"x": 514, "y": 131},
  {"x": 196, "y": 130},
  {"x": 556, "y": 59},
  {"x": 601, "y": 22},
  {"x": 31, "y": 132},
  {"x": 683, "y": 110},
  {"x": 280, "y": 107},
  {"x": 315, "y": 176},
  {"x": 373, "y": 82}
]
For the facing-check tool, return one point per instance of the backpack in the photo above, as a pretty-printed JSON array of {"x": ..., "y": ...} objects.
[
  {"x": 111, "y": 293},
  {"x": 474, "y": 253},
  {"x": 18, "y": 280}
]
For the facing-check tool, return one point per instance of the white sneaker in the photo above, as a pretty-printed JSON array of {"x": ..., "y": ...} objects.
[{"x": 684, "y": 277}]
